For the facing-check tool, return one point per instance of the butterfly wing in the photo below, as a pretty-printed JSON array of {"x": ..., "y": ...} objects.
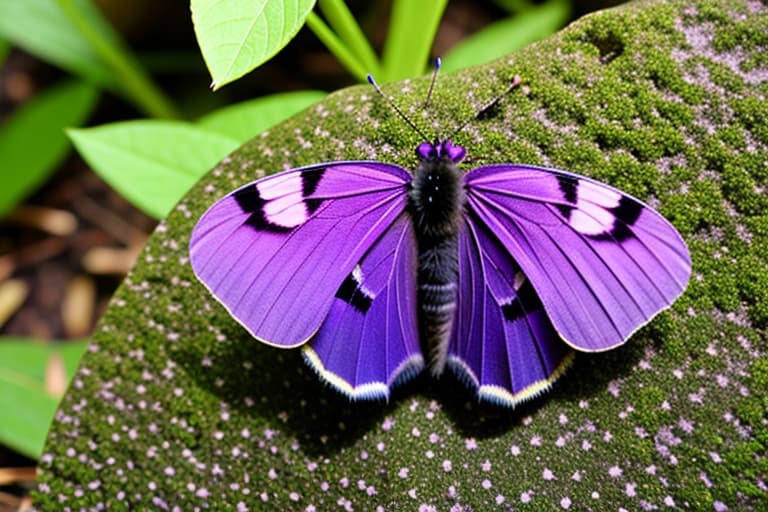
[
  {"x": 275, "y": 252},
  {"x": 502, "y": 341},
  {"x": 370, "y": 339},
  {"x": 602, "y": 263}
]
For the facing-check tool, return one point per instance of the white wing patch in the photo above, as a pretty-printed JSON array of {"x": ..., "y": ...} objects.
[
  {"x": 284, "y": 200},
  {"x": 592, "y": 214},
  {"x": 357, "y": 275}
]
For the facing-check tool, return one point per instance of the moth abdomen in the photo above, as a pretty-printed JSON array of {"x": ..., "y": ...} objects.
[
  {"x": 438, "y": 277},
  {"x": 438, "y": 300},
  {"x": 437, "y": 315}
]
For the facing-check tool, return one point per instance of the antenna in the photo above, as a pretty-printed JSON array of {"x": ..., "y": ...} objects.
[
  {"x": 495, "y": 101},
  {"x": 432, "y": 83},
  {"x": 516, "y": 80},
  {"x": 395, "y": 108}
]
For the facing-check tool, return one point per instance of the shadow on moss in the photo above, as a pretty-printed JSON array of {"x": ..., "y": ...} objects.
[{"x": 326, "y": 421}]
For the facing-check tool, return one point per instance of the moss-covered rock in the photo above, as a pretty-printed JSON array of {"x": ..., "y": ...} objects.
[{"x": 175, "y": 405}]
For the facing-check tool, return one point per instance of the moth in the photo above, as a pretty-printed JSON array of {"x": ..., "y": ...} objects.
[{"x": 497, "y": 273}]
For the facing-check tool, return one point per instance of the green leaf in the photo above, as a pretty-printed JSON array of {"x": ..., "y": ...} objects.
[
  {"x": 32, "y": 142},
  {"x": 151, "y": 163},
  {"x": 508, "y": 35},
  {"x": 412, "y": 29},
  {"x": 42, "y": 28},
  {"x": 236, "y": 36},
  {"x": 27, "y": 408},
  {"x": 249, "y": 118}
]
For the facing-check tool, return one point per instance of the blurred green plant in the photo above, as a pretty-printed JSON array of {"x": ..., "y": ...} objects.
[
  {"x": 28, "y": 397},
  {"x": 33, "y": 142}
]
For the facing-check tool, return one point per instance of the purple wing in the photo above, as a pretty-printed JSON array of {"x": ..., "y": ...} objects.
[
  {"x": 370, "y": 339},
  {"x": 602, "y": 263},
  {"x": 275, "y": 251},
  {"x": 502, "y": 341}
]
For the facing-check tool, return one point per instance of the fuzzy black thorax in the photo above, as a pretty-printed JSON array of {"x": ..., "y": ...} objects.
[{"x": 437, "y": 194}]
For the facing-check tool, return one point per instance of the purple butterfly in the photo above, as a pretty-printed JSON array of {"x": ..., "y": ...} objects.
[{"x": 495, "y": 273}]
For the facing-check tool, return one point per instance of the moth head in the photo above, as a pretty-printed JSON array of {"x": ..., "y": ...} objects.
[{"x": 437, "y": 149}]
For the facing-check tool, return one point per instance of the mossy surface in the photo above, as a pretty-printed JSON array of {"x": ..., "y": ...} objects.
[{"x": 176, "y": 407}]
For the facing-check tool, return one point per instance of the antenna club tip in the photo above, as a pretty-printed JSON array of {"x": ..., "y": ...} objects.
[
  {"x": 438, "y": 62},
  {"x": 374, "y": 84},
  {"x": 516, "y": 80}
]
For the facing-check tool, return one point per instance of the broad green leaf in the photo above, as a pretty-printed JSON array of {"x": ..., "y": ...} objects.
[
  {"x": 27, "y": 408},
  {"x": 151, "y": 163},
  {"x": 33, "y": 142},
  {"x": 508, "y": 35},
  {"x": 236, "y": 36},
  {"x": 42, "y": 28},
  {"x": 412, "y": 29},
  {"x": 249, "y": 118}
]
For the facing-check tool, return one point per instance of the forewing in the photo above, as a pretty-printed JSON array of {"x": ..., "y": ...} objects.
[
  {"x": 370, "y": 339},
  {"x": 602, "y": 262},
  {"x": 274, "y": 252},
  {"x": 502, "y": 341}
]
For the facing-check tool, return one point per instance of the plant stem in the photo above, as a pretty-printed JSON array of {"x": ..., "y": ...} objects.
[
  {"x": 412, "y": 28},
  {"x": 131, "y": 77},
  {"x": 514, "y": 6},
  {"x": 336, "y": 47},
  {"x": 5, "y": 49},
  {"x": 348, "y": 30}
]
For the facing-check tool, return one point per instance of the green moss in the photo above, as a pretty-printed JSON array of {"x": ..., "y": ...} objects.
[
  {"x": 752, "y": 411},
  {"x": 696, "y": 332},
  {"x": 572, "y": 153},
  {"x": 753, "y": 282},
  {"x": 626, "y": 173},
  {"x": 710, "y": 11},
  {"x": 753, "y": 113},
  {"x": 723, "y": 76},
  {"x": 755, "y": 62},
  {"x": 759, "y": 374},
  {"x": 757, "y": 225},
  {"x": 535, "y": 133},
  {"x": 649, "y": 409},
  {"x": 561, "y": 105},
  {"x": 744, "y": 34},
  {"x": 742, "y": 458},
  {"x": 666, "y": 73},
  {"x": 741, "y": 190}
]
